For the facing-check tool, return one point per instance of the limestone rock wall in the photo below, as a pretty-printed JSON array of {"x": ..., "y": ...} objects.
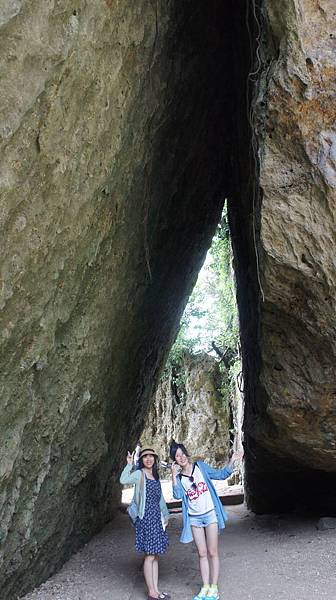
[
  {"x": 123, "y": 126},
  {"x": 196, "y": 412},
  {"x": 298, "y": 226},
  {"x": 110, "y": 168},
  {"x": 288, "y": 328}
]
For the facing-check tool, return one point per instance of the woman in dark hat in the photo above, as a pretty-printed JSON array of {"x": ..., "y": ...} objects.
[{"x": 149, "y": 513}]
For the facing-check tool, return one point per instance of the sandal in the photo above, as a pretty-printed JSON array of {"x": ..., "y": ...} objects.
[{"x": 164, "y": 596}]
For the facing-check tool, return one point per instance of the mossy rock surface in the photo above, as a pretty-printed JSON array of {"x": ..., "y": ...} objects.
[{"x": 200, "y": 418}]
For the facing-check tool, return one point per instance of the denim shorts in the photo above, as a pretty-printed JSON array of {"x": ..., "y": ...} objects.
[{"x": 203, "y": 520}]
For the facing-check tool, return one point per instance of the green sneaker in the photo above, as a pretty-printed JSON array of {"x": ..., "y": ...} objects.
[
  {"x": 202, "y": 594},
  {"x": 212, "y": 594}
]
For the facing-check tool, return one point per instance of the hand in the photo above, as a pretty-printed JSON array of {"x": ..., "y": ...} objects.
[
  {"x": 129, "y": 458},
  {"x": 175, "y": 469}
]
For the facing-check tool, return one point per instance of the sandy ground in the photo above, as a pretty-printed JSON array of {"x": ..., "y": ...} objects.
[{"x": 270, "y": 557}]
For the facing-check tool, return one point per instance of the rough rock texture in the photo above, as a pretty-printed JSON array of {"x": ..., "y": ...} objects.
[
  {"x": 123, "y": 127},
  {"x": 289, "y": 345},
  {"x": 194, "y": 412},
  {"x": 114, "y": 151}
]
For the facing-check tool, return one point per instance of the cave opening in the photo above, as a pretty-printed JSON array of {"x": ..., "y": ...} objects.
[{"x": 199, "y": 398}]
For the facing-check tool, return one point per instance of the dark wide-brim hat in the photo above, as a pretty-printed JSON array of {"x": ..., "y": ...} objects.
[{"x": 147, "y": 451}]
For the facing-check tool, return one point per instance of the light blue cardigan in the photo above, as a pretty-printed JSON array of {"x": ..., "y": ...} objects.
[
  {"x": 179, "y": 493},
  {"x": 128, "y": 476}
]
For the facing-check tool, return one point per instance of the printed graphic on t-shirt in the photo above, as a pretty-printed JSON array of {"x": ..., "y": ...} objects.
[
  {"x": 198, "y": 493},
  {"x": 193, "y": 493}
]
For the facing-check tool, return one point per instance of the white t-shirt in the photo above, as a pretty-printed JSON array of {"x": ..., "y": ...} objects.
[{"x": 198, "y": 495}]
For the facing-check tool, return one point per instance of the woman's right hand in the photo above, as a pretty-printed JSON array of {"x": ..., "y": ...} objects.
[
  {"x": 129, "y": 458},
  {"x": 175, "y": 469}
]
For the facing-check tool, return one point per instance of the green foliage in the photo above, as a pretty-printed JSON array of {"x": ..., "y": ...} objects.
[
  {"x": 210, "y": 319},
  {"x": 225, "y": 306},
  {"x": 211, "y": 313}
]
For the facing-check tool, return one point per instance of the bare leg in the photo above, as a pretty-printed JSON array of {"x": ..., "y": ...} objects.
[
  {"x": 211, "y": 532},
  {"x": 156, "y": 574},
  {"x": 200, "y": 541},
  {"x": 148, "y": 574}
]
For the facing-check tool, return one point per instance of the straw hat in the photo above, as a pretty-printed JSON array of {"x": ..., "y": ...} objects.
[{"x": 145, "y": 451}]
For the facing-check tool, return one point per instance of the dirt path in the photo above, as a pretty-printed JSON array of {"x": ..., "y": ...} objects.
[{"x": 263, "y": 558}]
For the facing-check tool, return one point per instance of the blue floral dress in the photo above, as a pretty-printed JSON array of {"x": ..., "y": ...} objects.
[{"x": 150, "y": 536}]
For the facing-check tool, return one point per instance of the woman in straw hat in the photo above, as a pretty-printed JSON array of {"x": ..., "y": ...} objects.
[{"x": 149, "y": 513}]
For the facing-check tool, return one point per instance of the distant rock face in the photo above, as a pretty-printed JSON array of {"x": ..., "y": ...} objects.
[
  {"x": 194, "y": 413},
  {"x": 111, "y": 186},
  {"x": 289, "y": 359}
]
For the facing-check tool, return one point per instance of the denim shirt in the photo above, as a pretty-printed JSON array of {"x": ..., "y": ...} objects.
[{"x": 179, "y": 493}]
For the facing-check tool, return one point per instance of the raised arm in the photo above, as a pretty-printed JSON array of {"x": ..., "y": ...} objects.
[
  {"x": 226, "y": 471},
  {"x": 218, "y": 473},
  {"x": 128, "y": 476},
  {"x": 177, "y": 493}
]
